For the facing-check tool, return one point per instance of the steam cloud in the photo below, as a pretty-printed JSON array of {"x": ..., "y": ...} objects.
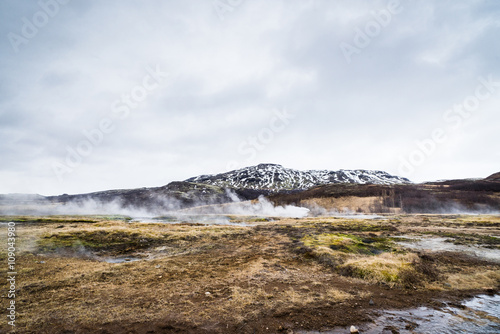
[
  {"x": 165, "y": 205},
  {"x": 160, "y": 206}
]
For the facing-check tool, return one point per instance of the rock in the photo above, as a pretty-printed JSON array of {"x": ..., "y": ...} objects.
[
  {"x": 157, "y": 266},
  {"x": 371, "y": 302},
  {"x": 447, "y": 285},
  {"x": 354, "y": 330},
  {"x": 207, "y": 293},
  {"x": 42, "y": 262}
]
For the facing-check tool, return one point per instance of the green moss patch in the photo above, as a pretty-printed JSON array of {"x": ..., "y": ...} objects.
[
  {"x": 348, "y": 243},
  {"x": 100, "y": 240}
]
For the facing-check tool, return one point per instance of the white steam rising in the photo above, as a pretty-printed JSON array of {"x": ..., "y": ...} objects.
[
  {"x": 158, "y": 206},
  {"x": 260, "y": 207}
]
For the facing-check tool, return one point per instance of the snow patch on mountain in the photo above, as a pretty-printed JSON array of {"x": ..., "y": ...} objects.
[{"x": 275, "y": 177}]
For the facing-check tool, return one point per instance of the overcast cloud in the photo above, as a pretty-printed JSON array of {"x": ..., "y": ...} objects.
[{"x": 250, "y": 81}]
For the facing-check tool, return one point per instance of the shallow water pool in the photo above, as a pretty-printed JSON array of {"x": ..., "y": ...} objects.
[{"x": 479, "y": 315}]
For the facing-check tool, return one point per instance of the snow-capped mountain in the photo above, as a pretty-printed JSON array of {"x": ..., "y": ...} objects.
[{"x": 274, "y": 177}]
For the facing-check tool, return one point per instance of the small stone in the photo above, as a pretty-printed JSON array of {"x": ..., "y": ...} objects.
[
  {"x": 207, "y": 293},
  {"x": 447, "y": 285},
  {"x": 157, "y": 266},
  {"x": 371, "y": 302},
  {"x": 42, "y": 262},
  {"x": 354, "y": 329}
]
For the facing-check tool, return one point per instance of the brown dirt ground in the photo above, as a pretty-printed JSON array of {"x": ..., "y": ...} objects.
[{"x": 224, "y": 279}]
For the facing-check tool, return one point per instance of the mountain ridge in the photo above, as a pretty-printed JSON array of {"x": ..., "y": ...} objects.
[
  {"x": 275, "y": 178},
  {"x": 365, "y": 191}
]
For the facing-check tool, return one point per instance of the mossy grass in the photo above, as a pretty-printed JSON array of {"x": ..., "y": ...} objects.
[
  {"x": 349, "y": 243},
  {"x": 98, "y": 240}
]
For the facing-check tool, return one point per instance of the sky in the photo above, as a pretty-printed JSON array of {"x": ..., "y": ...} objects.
[{"x": 98, "y": 95}]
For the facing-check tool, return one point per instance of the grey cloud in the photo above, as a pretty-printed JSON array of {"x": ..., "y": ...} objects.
[{"x": 227, "y": 77}]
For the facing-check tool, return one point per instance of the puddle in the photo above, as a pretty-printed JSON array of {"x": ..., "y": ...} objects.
[
  {"x": 437, "y": 244},
  {"x": 120, "y": 259},
  {"x": 480, "y": 315},
  {"x": 359, "y": 216},
  {"x": 352, "y": 216},
  {"x": 202, "y": 219},
  {"x": 155, "y": 220}
]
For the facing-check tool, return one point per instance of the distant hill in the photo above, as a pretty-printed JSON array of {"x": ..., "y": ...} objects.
[{"x": 451, "y": 196}]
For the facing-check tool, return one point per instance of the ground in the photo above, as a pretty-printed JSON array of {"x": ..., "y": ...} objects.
[{"x": 262, "y": 276}]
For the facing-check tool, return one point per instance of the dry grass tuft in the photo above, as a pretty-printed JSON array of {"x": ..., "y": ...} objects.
[
  {"x": 337, "y": 296},
  {"x": 386, "y": 267},
  {"x": 242, "y": 298},
  {"x": 466, "y": 280}
]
